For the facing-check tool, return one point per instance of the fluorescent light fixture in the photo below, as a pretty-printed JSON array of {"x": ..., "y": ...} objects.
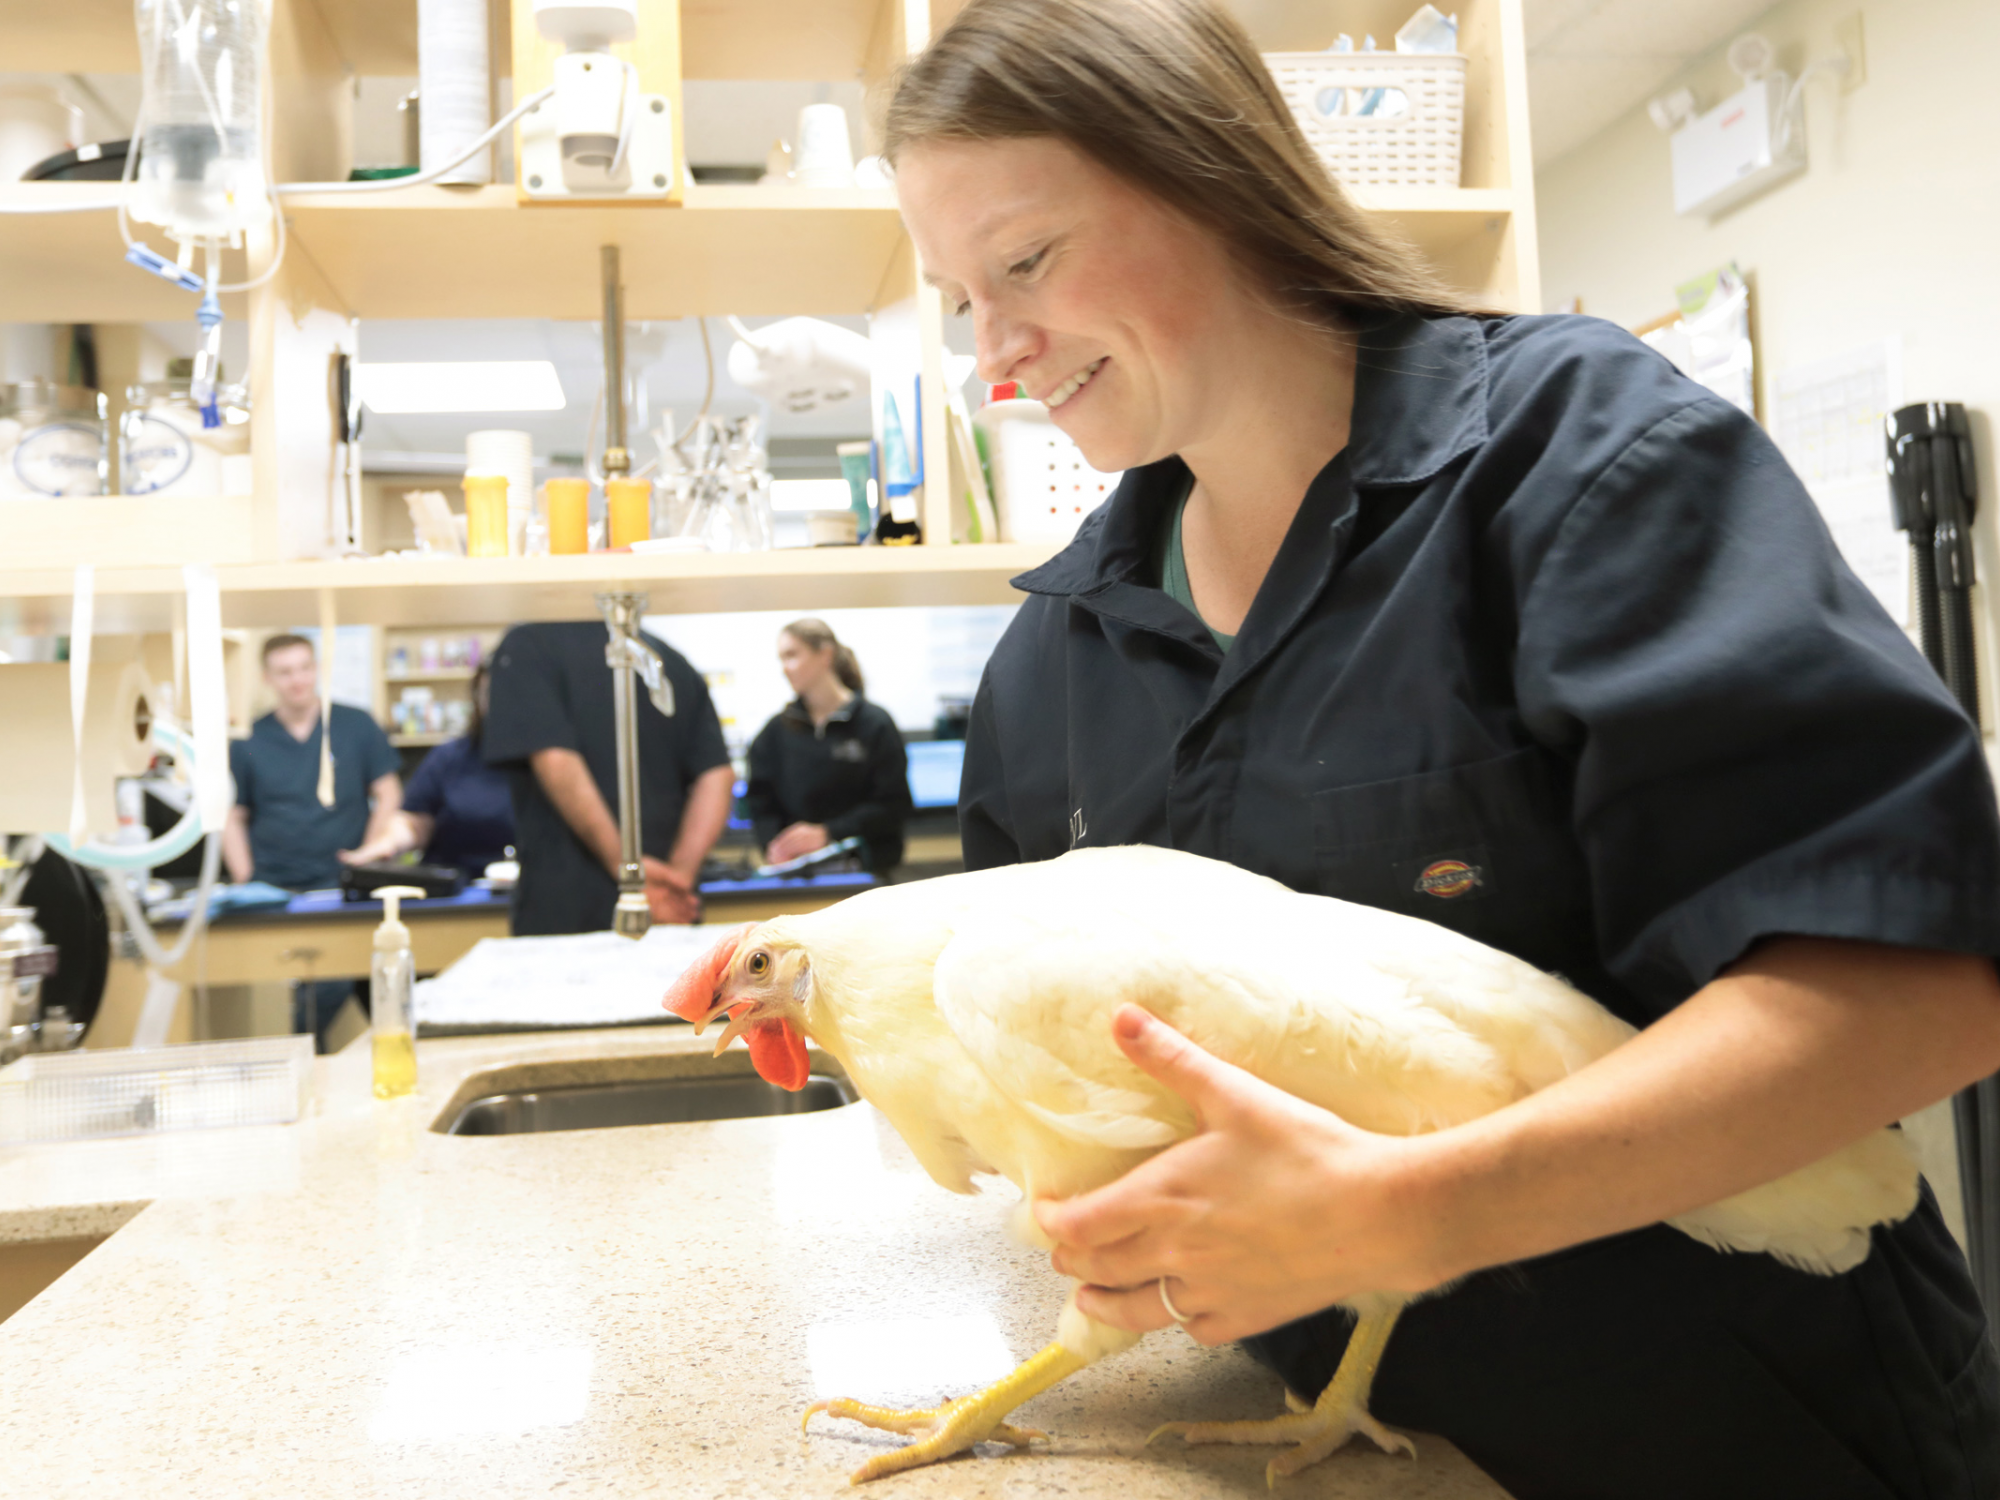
[
  {"x": 810, "y": 494},
  {"x": 460, "y": 385}
]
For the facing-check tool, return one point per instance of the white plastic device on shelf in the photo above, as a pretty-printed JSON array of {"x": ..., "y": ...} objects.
[{"x": 599, "y": 136}]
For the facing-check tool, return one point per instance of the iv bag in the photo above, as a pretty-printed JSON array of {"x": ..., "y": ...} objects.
[{"x": 201, "y": 164}]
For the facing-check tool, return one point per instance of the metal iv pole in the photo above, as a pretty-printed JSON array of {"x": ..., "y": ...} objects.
[
  {"x": 625, "y": 650},
  {"x": 1931, "y": 477}
]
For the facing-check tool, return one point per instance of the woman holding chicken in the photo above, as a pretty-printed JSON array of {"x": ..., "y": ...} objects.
[{"x": 1501, "y": 622}]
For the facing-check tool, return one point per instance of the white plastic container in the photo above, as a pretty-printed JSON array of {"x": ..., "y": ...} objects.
[
  {"x": 1042, "y": 485},
  {"x": 78, "y": 1096},
  {"x": 54, "y": 441},
  {"x": 1418, "y": 144},
  {"x": 36, "y": 122},
  {"x": 164, "y": 450}
]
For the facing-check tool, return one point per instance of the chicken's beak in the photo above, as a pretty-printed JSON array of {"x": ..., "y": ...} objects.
[{"x": 697, "y": 995}]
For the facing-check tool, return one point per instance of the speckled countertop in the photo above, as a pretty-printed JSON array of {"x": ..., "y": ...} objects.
[{"x": 358, "y": 1306}]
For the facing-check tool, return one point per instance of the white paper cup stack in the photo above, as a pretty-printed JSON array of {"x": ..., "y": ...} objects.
[{"x": 511, "y": 455}]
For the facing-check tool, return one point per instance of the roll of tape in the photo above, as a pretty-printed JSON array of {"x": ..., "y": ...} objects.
[{"x": 36, "y": 740}]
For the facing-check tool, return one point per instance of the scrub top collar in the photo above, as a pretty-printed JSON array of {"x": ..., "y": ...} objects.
[{"x": 1419, "y": 404}]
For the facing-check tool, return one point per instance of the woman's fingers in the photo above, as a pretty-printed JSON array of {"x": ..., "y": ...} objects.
[{"x": 1136, "y": 1309}]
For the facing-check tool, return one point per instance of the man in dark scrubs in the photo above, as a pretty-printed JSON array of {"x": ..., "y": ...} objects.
[
  {"x": 551, "y": 727},
  {"x": 279, "y": 831}
]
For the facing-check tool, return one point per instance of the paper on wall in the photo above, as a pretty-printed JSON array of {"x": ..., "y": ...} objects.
[{"x": 1827, "y": 417}]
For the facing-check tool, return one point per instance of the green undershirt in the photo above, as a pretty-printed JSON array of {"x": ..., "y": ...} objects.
[{"x": 1173, "y": 569}]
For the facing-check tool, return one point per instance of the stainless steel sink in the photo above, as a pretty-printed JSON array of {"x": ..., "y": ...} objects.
[{"x": 653, "y": 1101}]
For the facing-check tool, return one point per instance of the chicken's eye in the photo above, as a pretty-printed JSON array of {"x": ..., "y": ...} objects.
[{"x": 760, "y": 965}]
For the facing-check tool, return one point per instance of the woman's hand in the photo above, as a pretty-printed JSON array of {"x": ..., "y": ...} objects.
[
  {"x": 1275, "y": 1210},
  {"x": 800, "y": 838}
]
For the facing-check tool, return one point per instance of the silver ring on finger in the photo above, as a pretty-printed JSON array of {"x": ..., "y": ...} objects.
[{"x": 1168, "y": 1302}]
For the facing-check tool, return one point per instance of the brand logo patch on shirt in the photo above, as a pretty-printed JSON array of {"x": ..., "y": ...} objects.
[
  {"x": 850, "y": 750},
  {"x": 1448, "y": 879}
]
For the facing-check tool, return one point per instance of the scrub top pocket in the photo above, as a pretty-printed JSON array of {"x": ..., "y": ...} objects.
[{"x": 1482, "y": 848}]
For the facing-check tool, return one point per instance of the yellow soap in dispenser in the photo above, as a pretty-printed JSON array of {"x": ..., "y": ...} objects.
[{"x": 390, "y": 973}]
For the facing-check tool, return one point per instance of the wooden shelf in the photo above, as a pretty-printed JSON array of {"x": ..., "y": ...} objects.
[
  {"x": 420, "y": 741},
  {"x": 439, "y": 674},
  {"x": 125, "y": 530},
  {"x": 462, "y": 591},
  {"x": 70, "y": 267},
  {"x": 434, "y": 252}
]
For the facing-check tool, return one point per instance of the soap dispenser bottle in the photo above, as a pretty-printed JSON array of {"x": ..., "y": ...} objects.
[{"x": 391, "y": 972}]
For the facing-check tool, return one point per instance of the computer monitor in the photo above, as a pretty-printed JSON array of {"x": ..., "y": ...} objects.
[{"x": 935, "y": 766}]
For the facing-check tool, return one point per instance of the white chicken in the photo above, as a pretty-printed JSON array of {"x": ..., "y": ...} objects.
[{"x": 975, "y": 1012}]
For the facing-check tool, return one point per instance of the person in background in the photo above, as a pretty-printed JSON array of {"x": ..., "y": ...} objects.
[
  {"x": 457, "y": 809},
  {"x": 550, "y": 727},
  {"x": 831, "y": 765},
  {"x": 279, "y": 831}
]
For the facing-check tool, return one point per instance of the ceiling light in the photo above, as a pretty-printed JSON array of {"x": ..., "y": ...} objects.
[{"x": 460, "y": 385}]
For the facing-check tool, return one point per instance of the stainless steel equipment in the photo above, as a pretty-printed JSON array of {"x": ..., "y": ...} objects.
[
  {"x": 657, "y": 1101},
  {"x": 26, "y": 958},
  {"x": 627, "y": 654}
]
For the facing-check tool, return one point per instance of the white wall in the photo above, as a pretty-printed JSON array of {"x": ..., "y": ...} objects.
[
  {"x": 911, "y": 657},
  {"x": 1894, "y": 230}
]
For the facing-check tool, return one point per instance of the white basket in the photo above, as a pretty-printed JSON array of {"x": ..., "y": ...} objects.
[
  {"x": 1418, "y": 148},
  {"x": 1042, "y": 485},
  {"x": 79, "y": 1096}
]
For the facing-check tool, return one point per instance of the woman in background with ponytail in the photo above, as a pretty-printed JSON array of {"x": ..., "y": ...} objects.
[{"x": 831, "y": 765}]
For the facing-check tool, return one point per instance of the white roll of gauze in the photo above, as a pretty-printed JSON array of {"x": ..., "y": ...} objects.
[
  {"x": 454, "y": 85},
  {"x": 36, "y": 743}
]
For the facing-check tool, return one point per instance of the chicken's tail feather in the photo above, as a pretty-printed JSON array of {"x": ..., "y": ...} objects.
[{"x": 1818, "y": 1218}]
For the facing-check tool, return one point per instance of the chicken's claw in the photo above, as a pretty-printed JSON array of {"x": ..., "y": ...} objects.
[{"x": 956, "y": 1426}]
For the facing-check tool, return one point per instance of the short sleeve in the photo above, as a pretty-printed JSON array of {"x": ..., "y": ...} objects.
[
  {"x": 425, "y": 793},
  {"x": 241, "y": 765},
  {"x": 528, "y": 708},
  {"x": 1758, "y": 748},
  {"x": 378, "y": 756},
  {"x": 702, "y": 746}
]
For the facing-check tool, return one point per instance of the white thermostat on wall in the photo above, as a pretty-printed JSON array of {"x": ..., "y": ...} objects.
[{"x": 1736, "y": 150}]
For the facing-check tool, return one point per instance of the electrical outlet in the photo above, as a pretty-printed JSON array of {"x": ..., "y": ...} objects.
[{"x": 1847, "y": 35}]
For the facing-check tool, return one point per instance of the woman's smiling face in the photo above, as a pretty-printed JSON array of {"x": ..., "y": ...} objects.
[{"x": 1098, "y": 298}]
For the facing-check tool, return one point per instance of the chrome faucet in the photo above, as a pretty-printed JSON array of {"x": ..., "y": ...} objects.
[{"x": 628, "y": 655}]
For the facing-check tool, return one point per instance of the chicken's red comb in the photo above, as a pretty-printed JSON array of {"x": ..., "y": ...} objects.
[{"x": 692, "y": 996}]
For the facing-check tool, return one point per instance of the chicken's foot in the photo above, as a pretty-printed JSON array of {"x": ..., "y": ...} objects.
[
  {"x": 957, "y": 1425},
  {"x": 1340, "y": 1412}
]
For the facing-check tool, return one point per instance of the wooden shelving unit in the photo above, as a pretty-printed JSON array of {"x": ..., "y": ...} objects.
[
  {"x": 451, "y": 591},
  {"x": 482, "y": 252}
]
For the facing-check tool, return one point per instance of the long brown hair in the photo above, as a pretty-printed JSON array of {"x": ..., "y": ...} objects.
[
  {"x": 816, "y": 635},
  {"x": 1172, "y": 96}
]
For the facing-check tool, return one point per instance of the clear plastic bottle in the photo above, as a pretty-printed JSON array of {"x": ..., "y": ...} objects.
[
  {"x": 391, "y": 972},
  {"x": 201, "y": 166}
]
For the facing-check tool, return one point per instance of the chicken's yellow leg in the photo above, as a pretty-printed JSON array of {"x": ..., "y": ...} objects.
[
  {"x": 1340, "y": 1412},
  {"x": 959, "y": 1424}
]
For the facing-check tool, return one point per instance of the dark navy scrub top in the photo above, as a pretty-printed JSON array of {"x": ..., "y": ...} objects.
[
  {"x": 850, "y": 775},
  {"x": 294, "y": 842},
  {"x": 471, "y": 802},
  {"x": 1557, "y": 653}
]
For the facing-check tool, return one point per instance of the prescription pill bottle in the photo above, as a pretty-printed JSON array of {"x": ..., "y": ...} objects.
[
  {"x": 569, "y": 514},
  {"x": 629, "y": 504},
  {"x": 485, "y": 515}
]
